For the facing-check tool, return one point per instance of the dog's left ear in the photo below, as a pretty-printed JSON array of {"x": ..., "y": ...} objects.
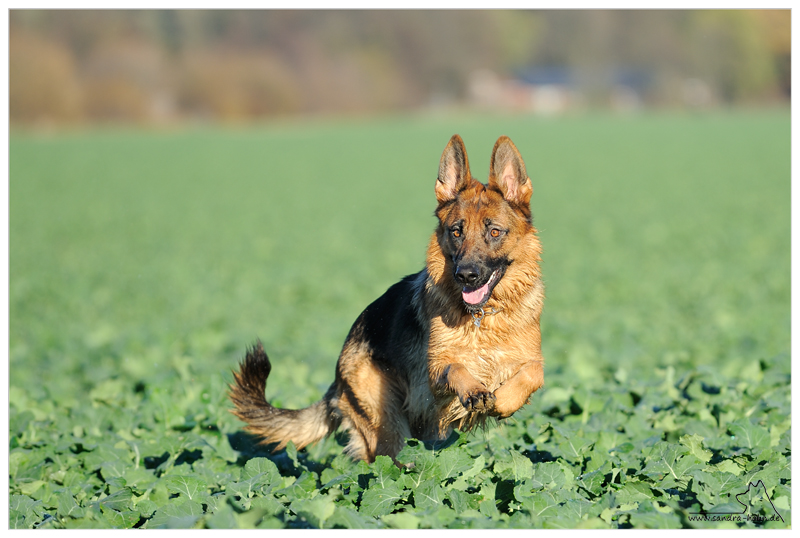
[{"x": 507, "y": 173}]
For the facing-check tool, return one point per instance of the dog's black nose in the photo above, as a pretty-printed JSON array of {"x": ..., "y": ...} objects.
[{"x": 467, "y": 275}]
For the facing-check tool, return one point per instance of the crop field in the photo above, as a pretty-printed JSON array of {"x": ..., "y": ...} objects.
[{"x": 143, "y": 263}]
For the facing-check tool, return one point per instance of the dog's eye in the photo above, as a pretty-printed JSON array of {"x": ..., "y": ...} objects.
[
  {"x": 456, "y": 232},
  {"x": 494, "y": 232}
]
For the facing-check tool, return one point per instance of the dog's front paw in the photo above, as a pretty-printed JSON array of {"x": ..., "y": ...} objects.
[{"x": 478, "y": 400}]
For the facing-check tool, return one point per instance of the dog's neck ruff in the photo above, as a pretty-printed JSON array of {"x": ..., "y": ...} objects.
[{"x": 478, "y": 315}]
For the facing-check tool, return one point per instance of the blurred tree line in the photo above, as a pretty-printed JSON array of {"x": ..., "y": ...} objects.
[{"x": 72, "y": 66}]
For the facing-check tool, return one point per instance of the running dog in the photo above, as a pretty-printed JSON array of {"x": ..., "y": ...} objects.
[{"x": 445, "y": 348}]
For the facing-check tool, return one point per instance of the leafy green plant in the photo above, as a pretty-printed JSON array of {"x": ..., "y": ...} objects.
[{"x": 142, "y": 265}]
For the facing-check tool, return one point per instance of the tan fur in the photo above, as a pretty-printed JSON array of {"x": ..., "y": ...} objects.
[{"x": 415, "y": 364}]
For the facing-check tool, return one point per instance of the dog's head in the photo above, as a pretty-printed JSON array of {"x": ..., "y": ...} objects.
[{"x": 480, "y": 226}]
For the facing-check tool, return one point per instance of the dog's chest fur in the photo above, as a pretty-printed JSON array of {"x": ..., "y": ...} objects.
[{"x": 487, "y": 352}]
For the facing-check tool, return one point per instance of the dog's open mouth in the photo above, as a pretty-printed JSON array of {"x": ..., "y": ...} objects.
[{"x": 477, "y": 297}]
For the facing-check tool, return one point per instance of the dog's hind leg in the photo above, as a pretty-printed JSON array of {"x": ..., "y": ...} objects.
[
  {"x": 393, "y": 427},
  {"x": 371, "y": 404},
  {"x": 382, "y": 434}
]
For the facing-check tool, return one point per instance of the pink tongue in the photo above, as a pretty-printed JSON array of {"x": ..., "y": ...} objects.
[{"x": 476, "y": 296}]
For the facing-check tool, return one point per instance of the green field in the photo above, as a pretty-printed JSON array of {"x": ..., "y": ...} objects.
[{"x": 143, "y": 263}]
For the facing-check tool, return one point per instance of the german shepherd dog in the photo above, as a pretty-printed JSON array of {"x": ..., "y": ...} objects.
[{"x": 445, "y": 348}]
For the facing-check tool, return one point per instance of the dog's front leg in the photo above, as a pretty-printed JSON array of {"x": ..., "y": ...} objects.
[
  {"x": 514, "y": 393},
  {"x": 473, "y": 395}
]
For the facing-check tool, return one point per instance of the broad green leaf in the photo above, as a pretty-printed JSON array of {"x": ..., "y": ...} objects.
[
  {"x": 346, "y": 518},
  {"x": 244, "y": 490},
  {"x": 650, "y": 516},
  {"x": 729, "y": 466},
  {"x": 487, "y": 505},
  {"x": 67, "y": 507},
  {"x": 695, "y": 445},
  {"x": 419, "y": 459},
  {"x": 222, "y": 518},
  {"x": 18, "y": 519},
  {"x": 624, "y": 448},
  {"x": 385, "y": 470},
  {"x": 23, "y": 512},
  {"x": 304, "y": 487},
  {"x": 543, "y": 504},
  {"x": 115, "y": 484},
  {"x": 749, "y": 435},
  {"x": 316, "y": 511},
  {"x": 377, "y": 501},
  {"x": 634, "y": 492},
  {"x": 527, "y": 488},
  {"x": 187, "y": 486},
  {"x": 573, "y": 445},
  {"x": 330, "y": 477},
  {"x": 401, "y": 520},
  {"x": 593, "y": 481},
  {"x": 106, "y": 456},
  {"x": 29, "y": 488},
  {"x": 436, "y": 518},
  {"x": 462, "y": 501},
  {"x": 350, "y": 485},
  {"x": 550, "y": 474},
  {"x": 120, "y": 520},
  {"x": 453, "y": 461},
  {"x": 139, "y": 479},
  {"x": 146, "y": 507},
  {"x": 514, "y": 466},
  {"x": 119, "y": 501},
  {"x": 269, "y": 505},
  {"x": 574, "y": 511},
  {"x": 477, "y": 466},
  {"x": 261, "y": 468},
  {"x": 258, "y": 475},
  {"x": 176, "y": 515},
  {"x": 471, "y": 519},
  {"x": 668, "y": 463},
  {"x": 429, "y": 494}
]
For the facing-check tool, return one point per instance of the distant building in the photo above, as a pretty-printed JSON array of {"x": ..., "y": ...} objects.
[
  {"x": 544, "y": 93},
  {"x": 555, "y": 90}
]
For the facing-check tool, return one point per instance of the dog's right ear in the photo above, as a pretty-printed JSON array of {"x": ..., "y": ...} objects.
[{"x": 454, "y": 174}]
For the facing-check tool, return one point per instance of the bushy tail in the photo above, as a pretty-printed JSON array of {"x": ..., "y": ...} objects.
[{"x": 301, "y": 426}]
